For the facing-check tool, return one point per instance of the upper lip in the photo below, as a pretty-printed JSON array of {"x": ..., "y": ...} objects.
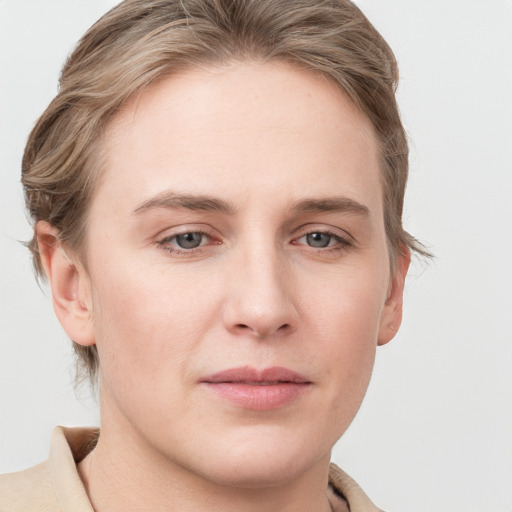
[{"x": 248, "y": 374}]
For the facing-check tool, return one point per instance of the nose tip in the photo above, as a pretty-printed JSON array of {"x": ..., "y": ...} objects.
[{"x": 259, "y": 302}]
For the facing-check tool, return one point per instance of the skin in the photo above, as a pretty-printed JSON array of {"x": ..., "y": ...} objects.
[{"x": 287, "y": 155}]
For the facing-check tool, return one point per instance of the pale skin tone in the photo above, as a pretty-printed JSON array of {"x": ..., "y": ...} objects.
[{"x": 274, "y": 176}]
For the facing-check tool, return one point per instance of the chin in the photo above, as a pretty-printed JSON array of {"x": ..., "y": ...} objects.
[
  {"x": 257, "y": 474},
  {"x": 262, "y": 459}
]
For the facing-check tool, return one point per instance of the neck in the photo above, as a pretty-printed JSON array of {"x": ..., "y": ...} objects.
[{"x": 124, "y": 473}]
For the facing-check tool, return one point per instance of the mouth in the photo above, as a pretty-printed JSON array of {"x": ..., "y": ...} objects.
[{"x": 266, "y": 389}]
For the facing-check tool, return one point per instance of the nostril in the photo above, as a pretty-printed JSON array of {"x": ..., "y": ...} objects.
[{"x": 262, "y": 332}]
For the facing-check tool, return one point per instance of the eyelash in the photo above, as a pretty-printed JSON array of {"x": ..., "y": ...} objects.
[
  {"x": 175, "y": 250},
  {"x": 342, "y": 243}
]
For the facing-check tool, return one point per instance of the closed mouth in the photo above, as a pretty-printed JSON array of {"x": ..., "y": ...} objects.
[{"x": 249, "y": 388}]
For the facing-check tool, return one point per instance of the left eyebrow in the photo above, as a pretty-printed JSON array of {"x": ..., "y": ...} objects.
[{"x": 330, "y": 204}]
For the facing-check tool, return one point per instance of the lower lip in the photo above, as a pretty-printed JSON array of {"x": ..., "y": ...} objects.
[{"x": 259, "y": 397}]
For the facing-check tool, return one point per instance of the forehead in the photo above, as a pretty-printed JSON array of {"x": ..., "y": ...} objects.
[{"x": 239, "y": 128}]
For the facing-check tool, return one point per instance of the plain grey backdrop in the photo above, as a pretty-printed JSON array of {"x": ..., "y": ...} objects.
[{"x": 435, "y": 431}]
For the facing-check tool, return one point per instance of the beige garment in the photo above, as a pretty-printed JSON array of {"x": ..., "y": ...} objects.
[{"x": 55, "y": 486}]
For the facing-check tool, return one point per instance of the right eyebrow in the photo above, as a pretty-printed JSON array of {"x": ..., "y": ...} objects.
[{"x": 171, "y": 199}]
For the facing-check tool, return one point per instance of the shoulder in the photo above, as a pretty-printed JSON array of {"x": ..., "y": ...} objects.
[
  {"x": 25, "y": 490},
  {"x": 343, "y": 485},
  {"x": 53, "y": 485}
]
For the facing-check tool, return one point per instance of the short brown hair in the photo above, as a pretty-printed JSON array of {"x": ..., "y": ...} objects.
[{"x": 140, "y": 41}]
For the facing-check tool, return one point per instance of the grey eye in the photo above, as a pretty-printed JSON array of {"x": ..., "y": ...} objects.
[
  {"x": 318, "y": 239},
  {"x": 189, "y": 240}
]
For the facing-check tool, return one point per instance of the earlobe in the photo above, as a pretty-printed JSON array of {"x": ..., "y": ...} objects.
[
  {"x": 69, "y": 284},
  {"x": 391, "y": 318}
]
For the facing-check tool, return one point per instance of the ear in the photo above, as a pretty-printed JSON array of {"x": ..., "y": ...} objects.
[
  {"x": 70, "y": 286},
  {"x": 391, "y": 318}
]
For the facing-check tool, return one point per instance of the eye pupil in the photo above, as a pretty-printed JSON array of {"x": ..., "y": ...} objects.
[
  {"x": 189, "y": 240},
  {"x": 318, "y": 239}
]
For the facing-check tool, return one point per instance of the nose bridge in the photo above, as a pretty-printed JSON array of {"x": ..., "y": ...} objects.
[{"x": 260, "y": 300}]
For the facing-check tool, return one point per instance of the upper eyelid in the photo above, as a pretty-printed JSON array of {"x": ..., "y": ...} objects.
[
  {"x": 168, "y": 239},
  {"x": 327, "y": 229},
  {"x": 341, "y": 241},
  {"x": 171, "y": 232},
  {"x": 185, "y": 232}
]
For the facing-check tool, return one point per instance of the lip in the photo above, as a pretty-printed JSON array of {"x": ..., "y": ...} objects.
[{"x": 255, "y": 389}]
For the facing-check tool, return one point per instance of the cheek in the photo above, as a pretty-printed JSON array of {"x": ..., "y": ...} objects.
[
  {"x": 347, "y": 310},
  {"x": 147, "y": 320},
  {"x": 347, "y": 319}
]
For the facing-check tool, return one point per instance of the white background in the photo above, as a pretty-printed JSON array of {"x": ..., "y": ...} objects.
[{"x": 435, "y": 431}]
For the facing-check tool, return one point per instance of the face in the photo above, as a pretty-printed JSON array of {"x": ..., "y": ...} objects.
[{"x": 238, "y": 278}]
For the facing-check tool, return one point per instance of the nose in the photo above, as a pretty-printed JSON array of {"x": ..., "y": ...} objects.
[{"x": 260, "y": 296}]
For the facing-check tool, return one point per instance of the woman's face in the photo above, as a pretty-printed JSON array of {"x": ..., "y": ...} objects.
[{"x": 238, "y": 276}]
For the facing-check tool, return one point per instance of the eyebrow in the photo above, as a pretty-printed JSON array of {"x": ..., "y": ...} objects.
[
  {"x": 203, "y": 203},
  {"x": 330, "y": 204},
  {"x": 208, "y": 203}
]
